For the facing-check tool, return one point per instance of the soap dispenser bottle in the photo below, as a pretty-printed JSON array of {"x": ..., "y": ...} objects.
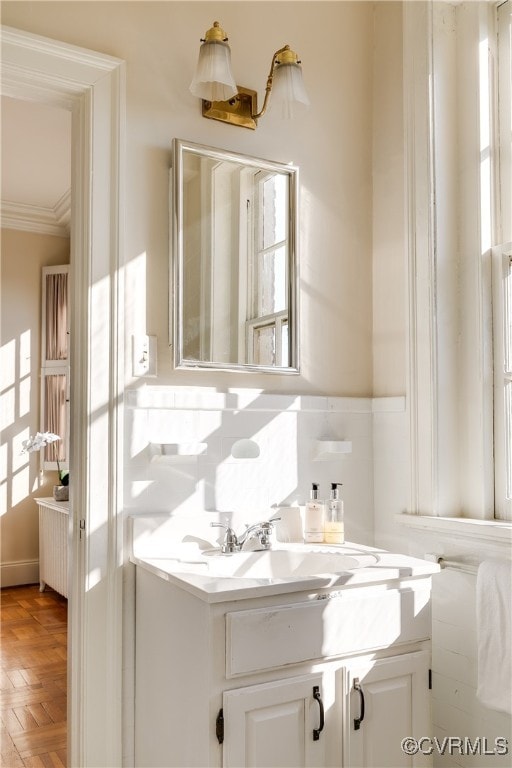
[
  {"x": 334, "y": 527},
  {"x": 314, "y": 518}
]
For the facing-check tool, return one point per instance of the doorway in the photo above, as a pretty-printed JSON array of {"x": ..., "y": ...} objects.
[{"x": 90, "y": 85}]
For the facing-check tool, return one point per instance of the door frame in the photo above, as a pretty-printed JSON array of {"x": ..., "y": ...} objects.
[{"x": 92, "y": 87}]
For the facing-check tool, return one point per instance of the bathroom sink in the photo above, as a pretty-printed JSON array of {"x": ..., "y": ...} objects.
[{"x": 282, "y": 563}]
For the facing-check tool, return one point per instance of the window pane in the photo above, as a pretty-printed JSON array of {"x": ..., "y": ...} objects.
[
  {"x": 508, "y": 438},
  {"x": 55, "y": 415},
  {"x": 272, "y": 282},
  {"x": 508, "y": 318},
  {"x": 56, "y": 316},
  {"x": 264, "y": 351},
  {"x": 274, "y": 210},
  {"x": 285, "y": 361}
]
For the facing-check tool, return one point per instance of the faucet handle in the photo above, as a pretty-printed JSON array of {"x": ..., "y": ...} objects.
[
  {"x": 265, "y": 530},
  {"x": 267, "y": 525},
  {"x": 230, "y": 543}
]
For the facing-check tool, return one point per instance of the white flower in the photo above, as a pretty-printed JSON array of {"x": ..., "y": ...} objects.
[{"x": 38, "y": 441}]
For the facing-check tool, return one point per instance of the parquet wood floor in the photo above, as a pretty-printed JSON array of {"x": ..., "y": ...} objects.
[{"x": 33, "y": 678}]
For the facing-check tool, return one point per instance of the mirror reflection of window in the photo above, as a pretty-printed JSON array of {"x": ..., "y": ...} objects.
[
  {"x": 264, "y": 346},
  {"x": 236, "y": 269},
  {"x": 270, "y": 275}
]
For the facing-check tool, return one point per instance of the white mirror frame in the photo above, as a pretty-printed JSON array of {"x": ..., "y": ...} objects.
[{"x": 177, "y": 258}]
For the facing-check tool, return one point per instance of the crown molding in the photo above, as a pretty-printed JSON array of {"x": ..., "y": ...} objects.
[{"x": 38, "y": 219}]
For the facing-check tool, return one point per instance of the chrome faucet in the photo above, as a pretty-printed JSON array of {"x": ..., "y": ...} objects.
[
  {"x": 233, "y": 543},
  {"x": 230, "y": 543}
]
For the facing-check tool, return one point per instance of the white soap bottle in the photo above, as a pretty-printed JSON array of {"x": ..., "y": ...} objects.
[
  {"x": 314, "y": 518},
  {"x": 334, "y": 526}
]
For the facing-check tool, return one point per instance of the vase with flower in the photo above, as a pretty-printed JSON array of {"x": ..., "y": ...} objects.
[{"x": 36, "y": 443}]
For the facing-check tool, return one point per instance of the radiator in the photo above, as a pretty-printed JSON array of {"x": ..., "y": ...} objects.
[{"x": 53, "y": 544}]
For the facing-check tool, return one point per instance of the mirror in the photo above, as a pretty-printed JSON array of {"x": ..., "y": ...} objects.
[{"x": 235, "y": 261}]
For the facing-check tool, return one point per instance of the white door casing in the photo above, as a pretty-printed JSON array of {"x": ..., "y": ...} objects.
[{"x": 91, "y": 86}]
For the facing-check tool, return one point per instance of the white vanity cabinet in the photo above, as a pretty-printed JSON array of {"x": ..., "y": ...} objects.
[
  {"x": 275, "y": 680},
  {"x": 387, "y": 701},
  {"x": 280, "y": 723}
]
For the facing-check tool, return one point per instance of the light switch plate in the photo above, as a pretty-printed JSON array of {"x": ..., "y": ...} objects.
[{"x": 143, "y": 355}]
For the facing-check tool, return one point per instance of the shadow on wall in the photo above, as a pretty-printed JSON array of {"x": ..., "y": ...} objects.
[{"x": 188, "y": 452}]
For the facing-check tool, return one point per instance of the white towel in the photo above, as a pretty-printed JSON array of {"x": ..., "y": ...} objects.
[{"x": 494, "y": 634}]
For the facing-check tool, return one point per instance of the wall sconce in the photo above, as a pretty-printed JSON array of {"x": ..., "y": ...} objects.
[{"x": 223, "y": 100}]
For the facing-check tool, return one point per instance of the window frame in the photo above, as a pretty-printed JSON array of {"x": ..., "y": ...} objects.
[
  {"x": 502, "y": 334},
  {"x": 256, "y": 250},
  {"x": 501, "y": 255},
  {"x": 55, "y": 367}
]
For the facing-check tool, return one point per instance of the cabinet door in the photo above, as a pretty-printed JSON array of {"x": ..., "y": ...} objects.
[
  {"x": 278, "y": 723},
  {"x": 388, "y": 700}
]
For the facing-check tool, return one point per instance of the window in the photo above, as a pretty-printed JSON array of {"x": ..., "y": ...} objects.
[
  {"x": 457, "y": 84},
  {"x": 55, "y": 364},
  {"x": 267, "y": 324},
  {"x": 502, "y": 270},
  {"x": 502, "y": 323}
]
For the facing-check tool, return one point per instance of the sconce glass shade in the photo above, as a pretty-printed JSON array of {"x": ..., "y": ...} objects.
[
  {"x": 288, "y": 89},
  {"x": 213, "y": 80}
]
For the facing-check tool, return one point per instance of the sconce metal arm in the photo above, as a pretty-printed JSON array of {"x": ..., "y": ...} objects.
[{"x": 270, "y": 80}]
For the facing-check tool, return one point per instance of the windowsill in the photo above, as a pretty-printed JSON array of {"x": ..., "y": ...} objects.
[{"x": 493, "y": 531}]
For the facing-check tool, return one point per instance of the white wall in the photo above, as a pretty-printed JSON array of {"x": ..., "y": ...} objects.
[
  {"x": 389, "y": 272},
  {"x": 200, "y": 426},
  {"x": 331, "y": 144}
]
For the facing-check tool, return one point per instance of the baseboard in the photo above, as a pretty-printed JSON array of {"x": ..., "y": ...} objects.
[{"x": 20, "y": 572}]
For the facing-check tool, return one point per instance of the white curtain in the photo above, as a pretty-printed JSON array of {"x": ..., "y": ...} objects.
[
  {"x": 56, "y": 316},
  {"x": 55, "y": 415}
]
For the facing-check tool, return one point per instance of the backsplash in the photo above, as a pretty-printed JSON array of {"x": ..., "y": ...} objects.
[{"x": 184, "y": 446}]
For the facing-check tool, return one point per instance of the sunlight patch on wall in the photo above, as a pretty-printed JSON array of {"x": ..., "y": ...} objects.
[
  {"x": 3, "y": 462},
  {"x": 20, "y": 486},
  {"x": 135, "y": 272},
  {"x": 93, "y": 578},
  {"x": 3, "y": 498},
  {"x": 25, "y": 360},
  {"x": 7, "y": 365},
  {"x": 19, "y": 459},
  {"x": 24, "y": 389},
  {"x": 182, "y": 426},
  {"x": 3, "y": 471},
  {"x": 283, "y": 431},
  {"x": 7, "y": 406},
  {"x": 246, "y": 397},
  {"x": 138, "y": 487},
  {"x": 100, "y": 346}
]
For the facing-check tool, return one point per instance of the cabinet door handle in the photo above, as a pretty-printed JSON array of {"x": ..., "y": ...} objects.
[
  {"x": 359, "y": 720},
  {"x": 317, "y": 696}
]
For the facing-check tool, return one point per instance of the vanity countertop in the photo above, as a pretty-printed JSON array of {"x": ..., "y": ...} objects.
[{"x": 185, "y": 565}]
